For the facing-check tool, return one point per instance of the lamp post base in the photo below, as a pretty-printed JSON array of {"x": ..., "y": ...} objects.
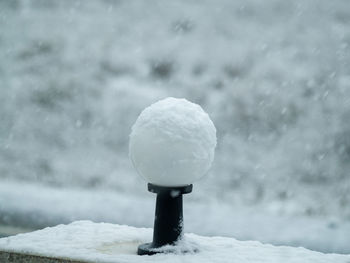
[{"x": 146, "y": 249}]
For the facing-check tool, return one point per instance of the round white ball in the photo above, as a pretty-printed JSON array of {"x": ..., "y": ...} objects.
[{"x": 172, "y": 142}]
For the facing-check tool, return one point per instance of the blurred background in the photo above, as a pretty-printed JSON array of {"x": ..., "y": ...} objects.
[{"x": 273, "y": 75}]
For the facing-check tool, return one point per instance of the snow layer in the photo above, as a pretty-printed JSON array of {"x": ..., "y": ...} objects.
[
  {"x": 87, "y": 241},
  {"x": 172, "y": 142},
  {"x": 273, "y": 75}
]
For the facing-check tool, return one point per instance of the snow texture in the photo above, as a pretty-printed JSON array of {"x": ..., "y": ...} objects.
[
  {"x": 91, "y": 242},
  {"x": 273, "y": 75},
  {"x": 172, "y": 142}
]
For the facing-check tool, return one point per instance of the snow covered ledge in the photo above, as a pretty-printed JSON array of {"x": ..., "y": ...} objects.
[{"x": 85, "y": 241}]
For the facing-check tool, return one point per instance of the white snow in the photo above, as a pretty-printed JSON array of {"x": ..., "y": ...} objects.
[
  {"x": 92, "y": 242},
  {"x": 172, "y": 142},
  {"x": 273, "y": 76}
]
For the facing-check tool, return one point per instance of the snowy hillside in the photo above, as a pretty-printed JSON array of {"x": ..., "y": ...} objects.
[{"x": 274, "y": 76}]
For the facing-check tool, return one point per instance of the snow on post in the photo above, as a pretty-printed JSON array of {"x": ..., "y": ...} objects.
[{"x": 172, "y": 144}]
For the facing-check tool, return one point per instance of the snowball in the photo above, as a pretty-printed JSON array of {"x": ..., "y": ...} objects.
[{"x": 172, "y": 142}]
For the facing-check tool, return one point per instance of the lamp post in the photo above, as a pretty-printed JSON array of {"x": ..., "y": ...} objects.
[
  {"x": 172, "y": 144},
  {"x": 168, "y": 222}
]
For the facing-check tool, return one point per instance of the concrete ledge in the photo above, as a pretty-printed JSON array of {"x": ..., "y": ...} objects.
[
  {"x": 84, "y": 241},
  {"x": 25, "y": 258}
]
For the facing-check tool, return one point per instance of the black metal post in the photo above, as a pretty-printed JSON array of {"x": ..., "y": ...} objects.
[{"x": 168, "y": 223}]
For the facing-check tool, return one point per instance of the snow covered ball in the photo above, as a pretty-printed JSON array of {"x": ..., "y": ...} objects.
[{"x": 172, "y": 142}]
